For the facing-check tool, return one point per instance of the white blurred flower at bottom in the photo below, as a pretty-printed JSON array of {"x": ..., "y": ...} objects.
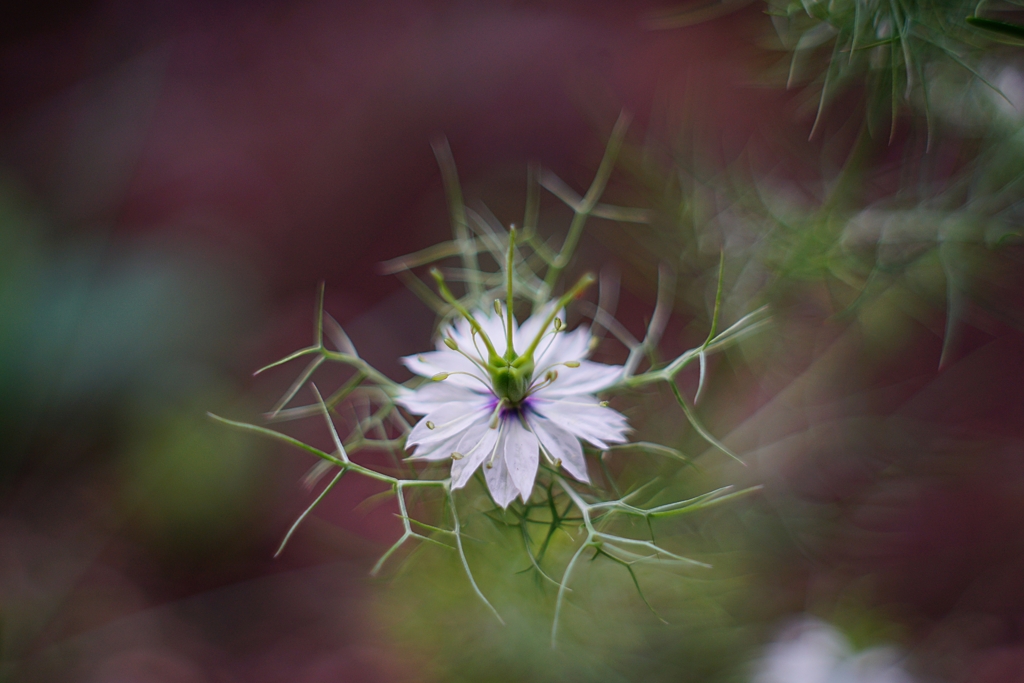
[{"x": 811, "y": 651}]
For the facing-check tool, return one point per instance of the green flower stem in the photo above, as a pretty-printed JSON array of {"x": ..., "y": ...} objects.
[
  {"x": 305, "y": 513},
  {"x": 347, "y": 389},
  {"x": 457, "y": 530},
  {"x": 743, "y": 327},
  {"x": 397, "y": 485}
]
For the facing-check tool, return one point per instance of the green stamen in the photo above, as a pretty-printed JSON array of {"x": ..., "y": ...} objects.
[{"x": 496, "y": 414}]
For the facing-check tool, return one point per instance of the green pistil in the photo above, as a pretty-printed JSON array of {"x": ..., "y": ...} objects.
[
  {"x": 511, "y": 375},
  {"x": 577, "y": 289},
  {"x": 447, "y": 295},
  {"x": 508, "y": 289},
  {"x": 512, "y": 383}
]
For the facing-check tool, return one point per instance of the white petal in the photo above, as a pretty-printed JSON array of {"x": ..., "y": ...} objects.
[
  {"x": 434, "y": 362},
  {"x": 521, "y": 455},
  {"x": 433, "y": 395},
  {"x": 476, "y": 445},
  {"x": 588, "y": 378},
  {"x": 499, "y": 479},
  {"x": 560, "y": 445},
  {"x": 430, "y": 363},
  {"x": 445, "y": 422},
  {"x": 584, "y": 417},
  {"x": 438, "y": 450}
]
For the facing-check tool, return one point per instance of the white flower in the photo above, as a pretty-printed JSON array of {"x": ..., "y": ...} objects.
[
  {"x": 811, "y": 651},
  {"x": 493, "y": 407}
]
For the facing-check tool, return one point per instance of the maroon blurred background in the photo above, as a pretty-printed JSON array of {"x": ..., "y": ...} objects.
[
  {"x": 263, "y": 147},
  {"x": 269, "y": 146}
]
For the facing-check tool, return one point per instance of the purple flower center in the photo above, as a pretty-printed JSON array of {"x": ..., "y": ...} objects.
[{"x": 507, "y": 411}]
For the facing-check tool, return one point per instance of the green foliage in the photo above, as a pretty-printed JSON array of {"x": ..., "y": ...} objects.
[
  {"x": 891, "y": 49},
  {"x": 606, "y": 631}
]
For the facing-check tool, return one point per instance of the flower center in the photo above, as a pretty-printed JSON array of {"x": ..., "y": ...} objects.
[
  {"x": 511, "y": 378},
  {"x": 512, "y": 374}
]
